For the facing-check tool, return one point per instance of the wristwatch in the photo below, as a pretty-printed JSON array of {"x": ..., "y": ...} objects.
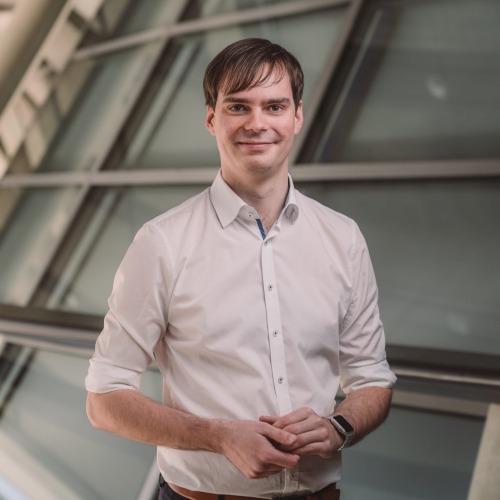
[{"x": 343, "y": 427}]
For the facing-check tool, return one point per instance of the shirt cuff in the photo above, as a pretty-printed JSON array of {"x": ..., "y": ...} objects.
[
  {"x": 377, "y": 374},
  {"x": 103, "y": 377}
]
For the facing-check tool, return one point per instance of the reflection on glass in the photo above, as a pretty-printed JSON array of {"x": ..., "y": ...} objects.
[
  {"x": 37, "y": 220},
  {"x": 173, "y": 134},
  {"x": 100, "y": 109},
  {"x": 48, "y": 448},
  {"x": 434, "y": 247},
  {"x": 414, "y": 455},
  {"x": 87, "y": 280},
  {"x": 422, "y": 85}
]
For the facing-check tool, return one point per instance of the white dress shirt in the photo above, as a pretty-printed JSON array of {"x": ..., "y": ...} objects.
[{"x": 243, "y": 326}]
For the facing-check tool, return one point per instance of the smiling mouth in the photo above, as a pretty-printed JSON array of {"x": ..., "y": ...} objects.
[{"x": 255, "y": 145}]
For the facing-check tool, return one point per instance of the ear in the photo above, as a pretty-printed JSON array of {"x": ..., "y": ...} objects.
[
  {"x": 299, "y": 118},
  {"x": 209, "y": 120}
]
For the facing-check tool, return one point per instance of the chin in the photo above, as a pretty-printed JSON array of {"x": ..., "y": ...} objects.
[
  {"x": 258, "y": 167},
  {"x": 261, "y": 164}
]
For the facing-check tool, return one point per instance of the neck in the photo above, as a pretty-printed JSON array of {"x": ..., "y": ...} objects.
[{"x": 266, "y": 194}]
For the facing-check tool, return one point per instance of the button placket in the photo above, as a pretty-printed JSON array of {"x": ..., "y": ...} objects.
[{"x": 274, "y": 326}]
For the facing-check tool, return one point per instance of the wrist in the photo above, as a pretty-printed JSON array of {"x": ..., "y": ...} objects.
[
  {"x": 343, "y": 429},
  {"x": 219, "y": 431}
]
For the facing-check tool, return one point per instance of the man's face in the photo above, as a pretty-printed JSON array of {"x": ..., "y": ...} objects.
[{"x": 255, "y": 128}]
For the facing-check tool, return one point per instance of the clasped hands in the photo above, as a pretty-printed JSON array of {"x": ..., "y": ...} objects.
[{"x": 260, "y": 449}]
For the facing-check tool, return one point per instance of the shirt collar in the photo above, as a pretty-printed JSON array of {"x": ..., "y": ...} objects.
[{"x": 228, "y": 204}]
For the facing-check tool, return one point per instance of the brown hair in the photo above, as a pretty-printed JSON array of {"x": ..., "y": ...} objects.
[{"x": 247, "y": 64}]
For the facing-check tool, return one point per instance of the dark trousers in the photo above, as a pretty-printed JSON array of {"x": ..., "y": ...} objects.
[{"x": 167, "y": 493}]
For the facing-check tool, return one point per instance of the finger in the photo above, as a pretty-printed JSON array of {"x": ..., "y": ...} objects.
[
  {"x": 269, "y": 419},
  {"x": 278, "y": 435},
  {"x": 281, "y": 459},
  {"x": 315, "y": 436},
  {"x": 293, "y": 417},
  {"x": 312, "y": 449},
  {"x": 310, "y": 424}
]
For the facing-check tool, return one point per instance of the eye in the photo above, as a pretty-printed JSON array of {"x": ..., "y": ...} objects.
[
  {"x": 276, "y": 108},
  {"x": 236, "y": 107}
]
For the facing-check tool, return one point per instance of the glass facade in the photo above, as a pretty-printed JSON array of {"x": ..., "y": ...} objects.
[
  {"x": 421, "y": 85},
  {"x": 38, "y": 217},
  {"x": 414, "y": 455},
  {"x": 173, "y": 134},
  {"x": 45, "y": 435},
  {"x": 434, "y": 247},
  {"x": 147, "y": 14},
  {"x": 105, "y": 96},
  {"x": 406, "y": 84}
]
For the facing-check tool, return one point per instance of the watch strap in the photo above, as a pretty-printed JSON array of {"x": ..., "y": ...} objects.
[{"x": 346, "y": 433}]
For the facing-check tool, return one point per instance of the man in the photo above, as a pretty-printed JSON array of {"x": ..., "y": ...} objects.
[{"x": 256, "y": 301}]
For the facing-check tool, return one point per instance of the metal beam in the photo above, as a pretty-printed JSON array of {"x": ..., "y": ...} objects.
[
  {"x": 14, "y": 328},
  {"x": 459, "y": 406},
  {"x": 205, "y": 24},
  {"x": 42, "y": 343},
  {"x": 396, "y": 170},
  {"x": 443, "y": 376},
  {"x": 300, "y": 173}
]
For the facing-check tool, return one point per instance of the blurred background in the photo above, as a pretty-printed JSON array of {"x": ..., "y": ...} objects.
[{"x": 102, "y": 128}]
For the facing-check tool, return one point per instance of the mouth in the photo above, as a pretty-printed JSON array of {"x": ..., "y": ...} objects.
[{"x": 255, "y": 145}]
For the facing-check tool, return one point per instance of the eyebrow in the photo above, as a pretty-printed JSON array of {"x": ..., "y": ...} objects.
[{"x": 242, "y": 100}]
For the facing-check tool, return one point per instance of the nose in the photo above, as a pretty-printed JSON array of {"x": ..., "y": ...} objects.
[{"x": 256, "y": 121}]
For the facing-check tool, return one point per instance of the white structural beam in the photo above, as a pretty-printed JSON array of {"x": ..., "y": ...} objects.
[
  {"x": 23, "y": 23},
  {"x": 50, "y": 60},
  {"x": 300, "y": 173},
  {"x": 485, "y": 483}
]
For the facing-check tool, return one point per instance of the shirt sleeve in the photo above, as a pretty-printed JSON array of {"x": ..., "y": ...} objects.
[
  {"x": 362, "y": 354},
  {"x": 137, "y": 317}
]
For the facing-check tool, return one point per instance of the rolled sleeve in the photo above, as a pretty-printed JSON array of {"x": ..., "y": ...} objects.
[
  {"x": 362, "y": 354},
  {"x": 137, "y": 317}
]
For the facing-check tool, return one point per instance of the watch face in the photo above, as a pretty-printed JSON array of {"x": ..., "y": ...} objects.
[{"x": 344, "y": 423}]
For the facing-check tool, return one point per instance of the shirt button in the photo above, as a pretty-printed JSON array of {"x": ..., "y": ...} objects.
[
  {"x": 265, "y": 243},
  {"x": 275, "y": 333},
  {"x": 280, "y": 380},
  {"x": 270, "y": 288}
]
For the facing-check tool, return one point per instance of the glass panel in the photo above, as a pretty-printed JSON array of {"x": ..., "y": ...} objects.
[
  {"x": 148, "y": 14},
  {"x": 107, "y": 84},
  {"x": 173, "y": 133},
  {"x": 36, "y": 221},
  {"x": 435, "y": 248},
  {"x": 422, "y": 84},
  {"x": 223, "y": 6},
  {"x": 48, "y": 448},
  {"x": 87, "y": 280},
  {"x": 413, "y": 456},
  {"x": 155, "y": 13}
]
